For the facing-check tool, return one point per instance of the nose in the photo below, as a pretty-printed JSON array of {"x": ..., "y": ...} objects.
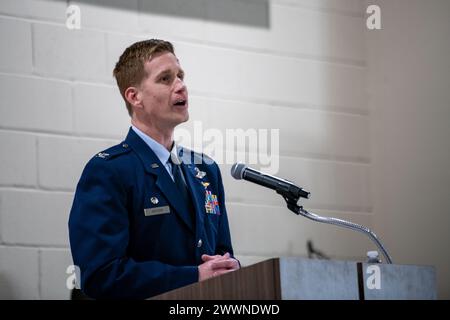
[{"x": 180, "y": 86}]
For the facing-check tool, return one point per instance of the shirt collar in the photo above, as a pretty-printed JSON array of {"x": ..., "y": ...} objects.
[{"x": 160, "y": 151}]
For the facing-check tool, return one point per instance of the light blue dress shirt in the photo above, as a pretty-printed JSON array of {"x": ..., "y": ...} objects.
[{"x": 161, "y": 152}]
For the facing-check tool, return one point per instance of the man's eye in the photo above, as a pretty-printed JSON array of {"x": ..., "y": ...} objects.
[{"x": 165, "y": 78}]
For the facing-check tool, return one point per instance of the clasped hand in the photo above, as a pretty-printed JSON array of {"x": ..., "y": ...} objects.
[{"x": 217, "y": 265}]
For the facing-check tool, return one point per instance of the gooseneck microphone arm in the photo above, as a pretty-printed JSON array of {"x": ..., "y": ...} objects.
[
  {"x": 292, "y": 194},
  {"x": 338, "y": 222}
]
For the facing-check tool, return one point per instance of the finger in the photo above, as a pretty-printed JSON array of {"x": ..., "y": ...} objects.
[
  {"x": 206, "y": 257},
  {"x": 221, "y": 272},
  {"x": 236, "y": 265},
  {"x": 218, "y": 257},
  {"x": 221, "y": 264}
]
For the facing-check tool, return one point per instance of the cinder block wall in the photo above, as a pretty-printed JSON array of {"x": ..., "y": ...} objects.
[{"x": 294, "y": 65}]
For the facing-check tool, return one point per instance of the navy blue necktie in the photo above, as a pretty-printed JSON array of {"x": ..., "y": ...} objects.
[{"x": 182, "y": 187}]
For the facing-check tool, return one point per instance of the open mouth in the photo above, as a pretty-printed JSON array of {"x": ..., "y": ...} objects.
[{"x": 180, "y": 103}]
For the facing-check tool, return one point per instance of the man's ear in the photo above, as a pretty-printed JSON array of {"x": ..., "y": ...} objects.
[{"x": 133, "y": 96}]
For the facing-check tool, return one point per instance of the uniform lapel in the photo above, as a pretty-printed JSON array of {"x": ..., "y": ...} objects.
[{"x": 164, "y": 182}]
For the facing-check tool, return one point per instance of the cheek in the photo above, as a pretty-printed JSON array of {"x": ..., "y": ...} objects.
[
  {"x": 155, "y": 105},
  {"x": 159, "y": 103},
  {"x": 153, "y": 101},
  {"x": 156, "y": 99},
  {"x": 157, "y": 96}
]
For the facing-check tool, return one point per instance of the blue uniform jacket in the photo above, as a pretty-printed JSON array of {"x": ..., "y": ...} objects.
[{"x": 124, "y": 249}]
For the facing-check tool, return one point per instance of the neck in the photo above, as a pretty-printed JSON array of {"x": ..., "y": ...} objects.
[{"x": 164, "y": 137}]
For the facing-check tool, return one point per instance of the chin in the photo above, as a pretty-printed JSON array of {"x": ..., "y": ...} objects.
[
  {"x": 181, "y": 119},
  {"x": 184, "y": 116}
]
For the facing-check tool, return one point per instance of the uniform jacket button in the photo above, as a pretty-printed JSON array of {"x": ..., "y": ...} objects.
[{"x": 199, "y": 243}]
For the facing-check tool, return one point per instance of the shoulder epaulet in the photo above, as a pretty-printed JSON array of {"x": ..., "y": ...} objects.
[{"x": 114, "y": 151}]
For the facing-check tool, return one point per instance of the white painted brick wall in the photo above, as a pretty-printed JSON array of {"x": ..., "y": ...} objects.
[
  {"x": 62, "y": 159},
  {"x": 18, "y": 159},
  {"x": 46, "y": 10},
  {"x": 111, "y": 15},
  {"x": 285, "y": 20},
  {"x": 279, "y": 232},
  {"x": 33, "y": 103},
  {"x": 343, "y": 6},
  {"x": 53, "y": 266},
  {"x": 115, "y": 46},
  {"x": 19, "y": 273},
  {"x": 69, "y": 54},
  {"x": 16, "y": 53},
  {"x": 292, "y": 81},
  {"x": 106, "y": 115},
  {"x": 35, "y": 217},
  {"x": 303, "y": 71},
  {"x": 303, "y": 132},
  {"x": 335, "y": 185}
]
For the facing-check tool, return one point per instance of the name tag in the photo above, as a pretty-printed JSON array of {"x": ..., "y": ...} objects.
[{"x": 156, "y": 211}]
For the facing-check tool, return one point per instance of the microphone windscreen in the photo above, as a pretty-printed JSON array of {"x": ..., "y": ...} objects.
[{"x": 237, "y": 170}]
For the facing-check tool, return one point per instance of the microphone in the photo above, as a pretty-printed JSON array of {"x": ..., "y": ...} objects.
[
  {"x": 292, "y": 193},
  {"x": 284, "y": 187}
]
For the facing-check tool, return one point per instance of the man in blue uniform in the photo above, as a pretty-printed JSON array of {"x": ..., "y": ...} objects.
[{"x": 149, "y": 216}]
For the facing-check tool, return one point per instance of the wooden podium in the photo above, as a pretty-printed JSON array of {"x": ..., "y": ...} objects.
[{"x": 308, "y": 279}]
